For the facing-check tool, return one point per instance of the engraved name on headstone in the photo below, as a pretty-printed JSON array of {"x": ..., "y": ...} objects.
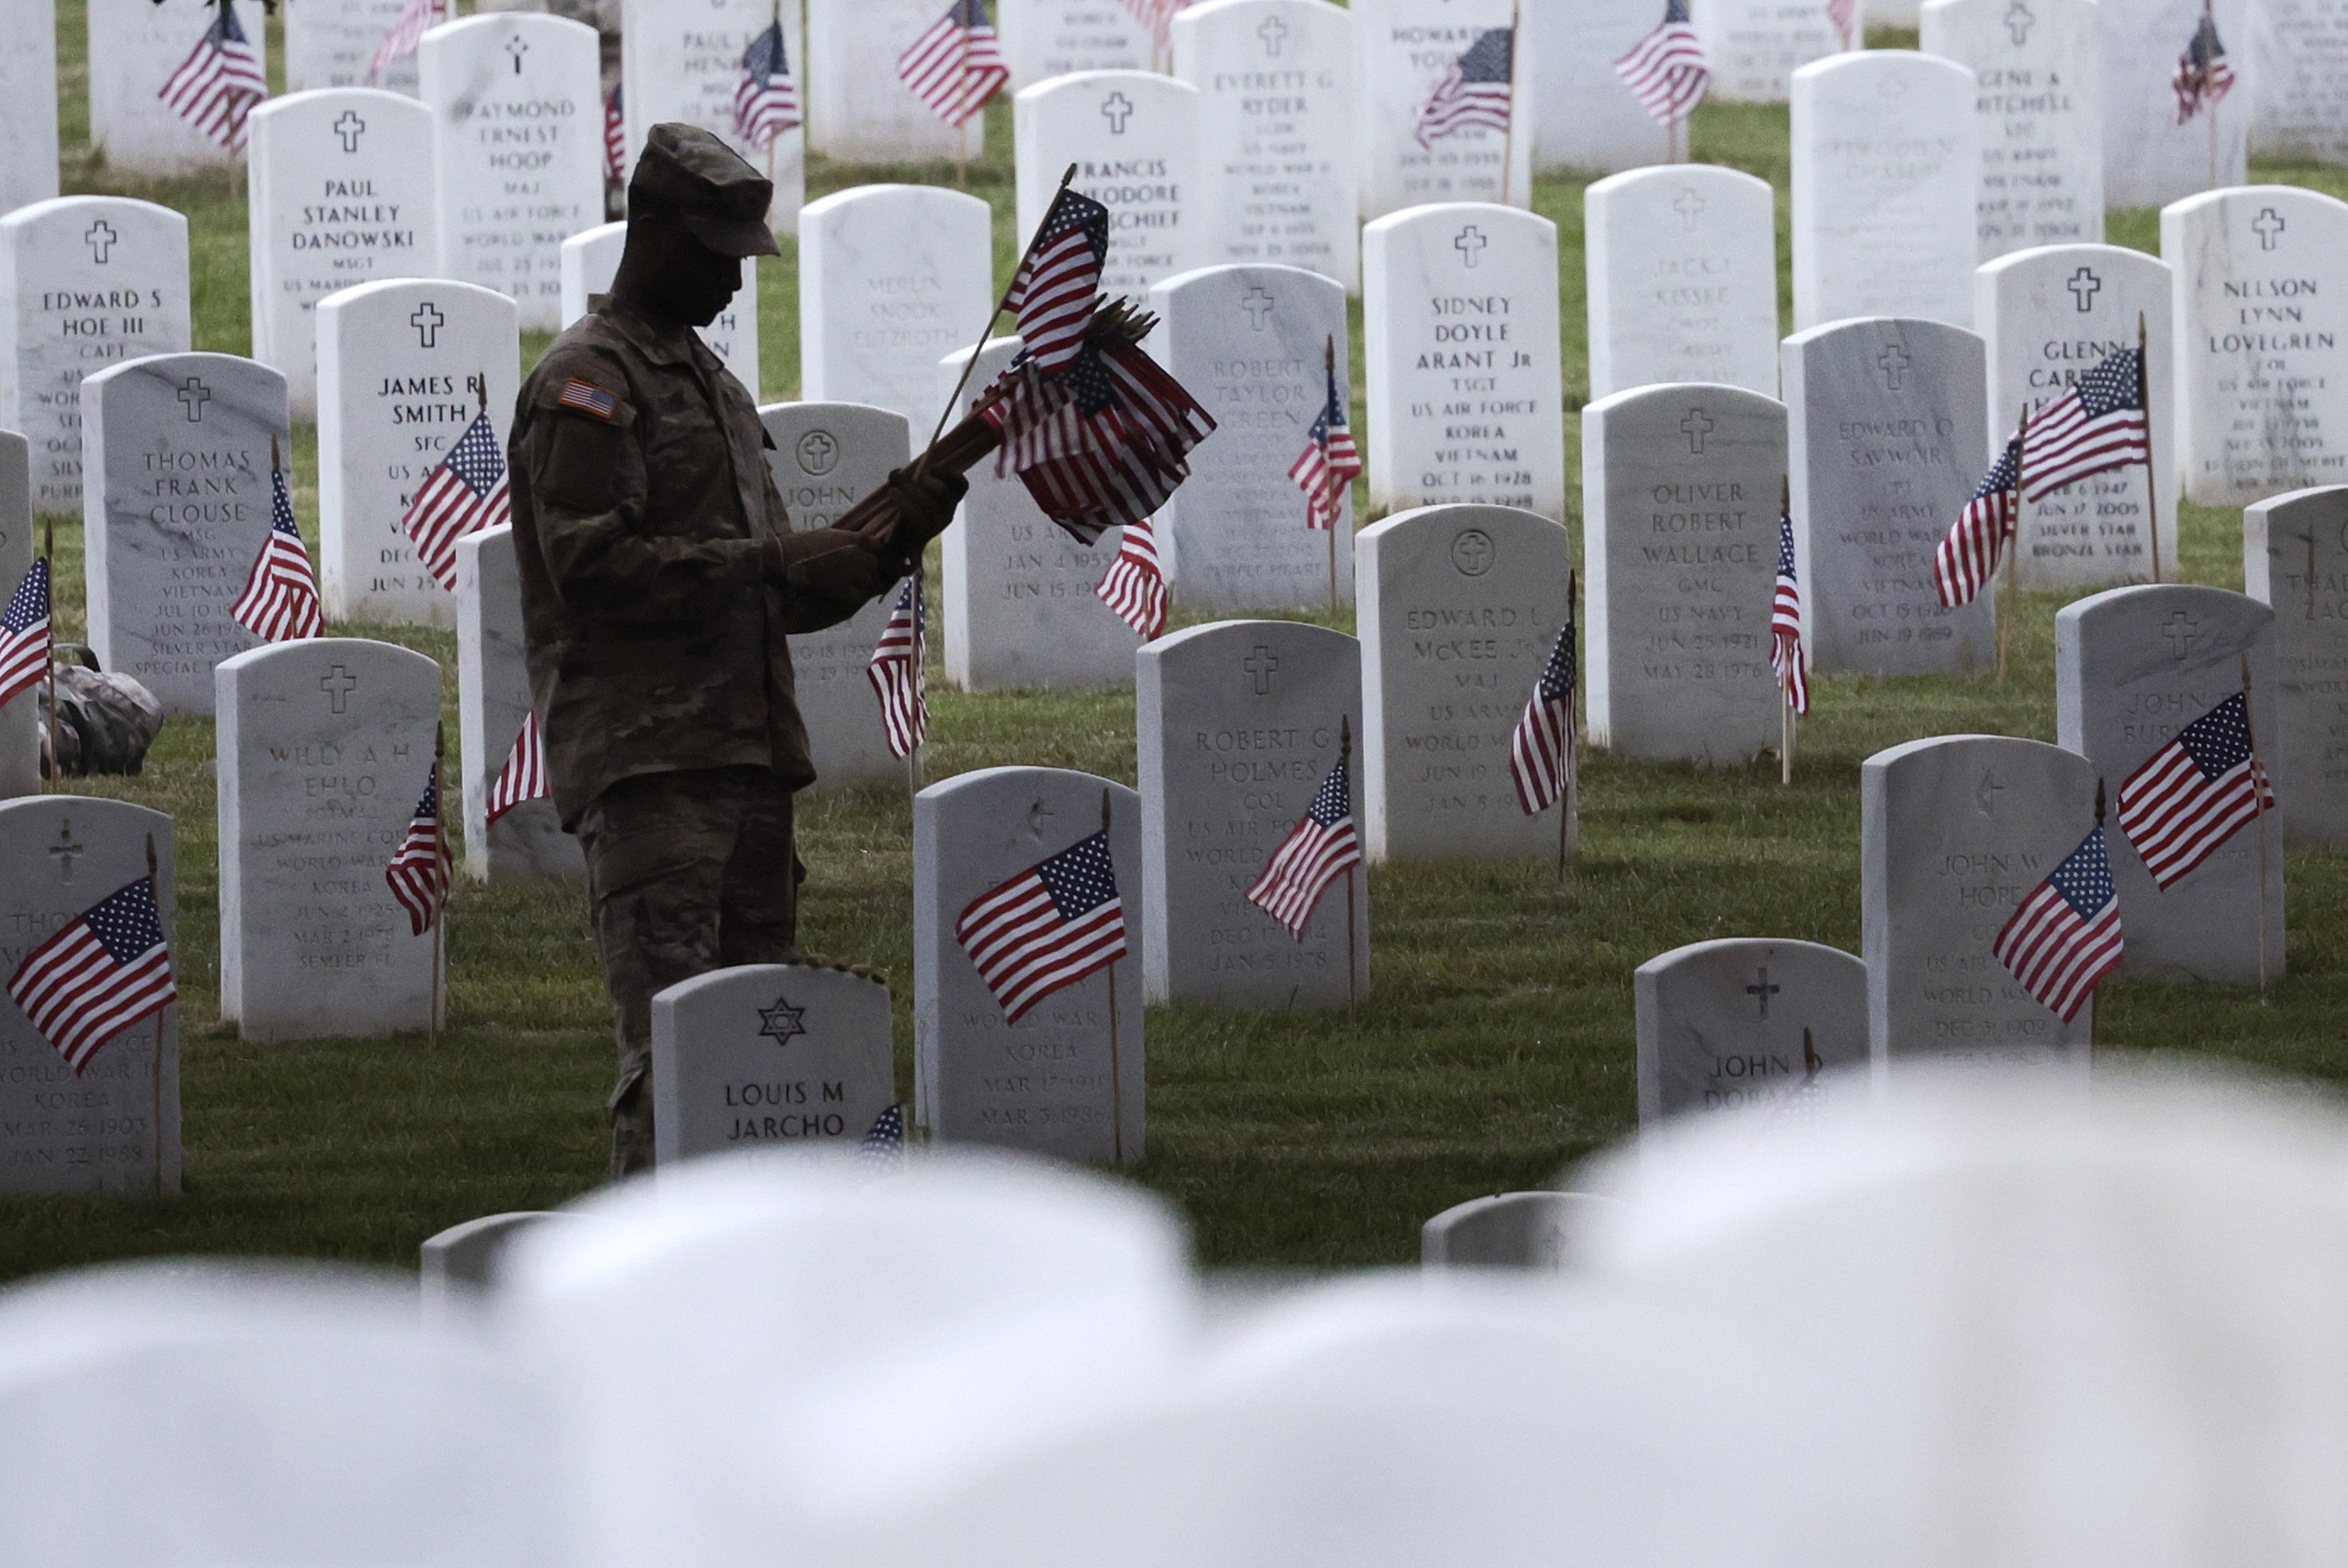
[
  {"x": 1746, "y": 1021},
  {"x": 789, "y": 1055},
  {"x": 893, "y": 278},
  {"x": 1683, "y": 279},
  {"x": 2038, "y": 66},
  {"x": 1134, "y": 137}
]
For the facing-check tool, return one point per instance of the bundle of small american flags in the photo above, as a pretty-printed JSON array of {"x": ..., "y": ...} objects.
[
  {"x": 220, "y": 80},
  {"x": 1786, "y": 624},
  {"x": 524, "y": 777},
  {"x": 1542, "y": 749},
  {"x": 1057, "y": 284},
  {"x": 98, "y": 974},
  {"x": 1048, "y": 927},
  {"x": 2064, "y": 937},
  {"x": 1321, "y": 848},
  {"x": 955, "y": 68},
  {"x": 466, "y": 492},
  {"x": 2202, "y": 77},
  {"x": 1134, "y": 586},
  {"x": 1330, "y": 463},
  {"x": 1665, "y": 70},
  {"x": 1475, "y": 91},
  {"x": 25, "y": 635},
  {"x": 419, "y": 871},
  {"x": 767, "y": 101},
  {"x": 280, "y": 601},
  {"x": 407, "y": 29},
  {"x": 895, "y": 672},
  {"x": 2195, "y": 793}
]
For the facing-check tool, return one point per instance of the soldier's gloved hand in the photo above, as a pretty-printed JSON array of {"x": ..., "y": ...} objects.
[
  {"x": 925, "y": 505},
  {"x": 832, "y": 563}
]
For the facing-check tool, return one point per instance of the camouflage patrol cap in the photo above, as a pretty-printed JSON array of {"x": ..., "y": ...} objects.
[{"x": 688, "y": 174}]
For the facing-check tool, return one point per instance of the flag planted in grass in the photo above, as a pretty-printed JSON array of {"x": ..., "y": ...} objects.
[
  {"x": 524, "y": 777},
  {"x": 2064, "y": 937},
  {"x": 1665, "y": 70},
  {"x": 419, "y": 872},
  {"x": 766, "y": 100},
  {"x": 2202, "y": 77},
  {"x": 1540, "y": 752},
  {"x": 1321, "y": 848},
  {"x": 956, "y": 67},
  {"x": 25, "y": 635},
  {"x": 280, "y": 601},
  {"x": 2195, "y": 793},
  {"x": 216, "y": 87},
  {"x": 1475, "y": 91},
  {"x": 1967, "y": 559},
  {"x": 895, "y": 672},
  {"x": 1048, "y": 927},
  {"x": 1329, "y": 462},
  {"x": 1785, "y": 623},
  {"x": 407, "y": 30},
  {"x": 466, "y": 492},
  {"x": 97, "y": 976}
]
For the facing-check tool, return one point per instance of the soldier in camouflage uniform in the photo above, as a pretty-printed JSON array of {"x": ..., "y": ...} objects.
[{"x": 659, "y": 577}]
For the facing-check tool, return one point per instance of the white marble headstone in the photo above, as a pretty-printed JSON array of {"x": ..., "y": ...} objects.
[
  {"x": 1067, "y": 1080},
  {"x": 1458, "y": 609},
  {"x": 859, "y": 109},
  {"x": 1746, "y": 1020},
  {"x": 20, "y": 762},
  {"x": 527, "y": 844},
  {"x": 28, "y": 105},
  {"x": 339, "y": 197},
  {"x": 1016, "y": 588},
  {"x": 1954, "y": 832},
  {"x": 176, "y": 513},
  {"x": 2039, "y": 70},
  {"x": 1885, "y": 445},
  {"x": 826, "y": 457},
  {"x": 1885, "y": 175},
  {"x": 517, "y": 150},
  {"x": 2049, "y": 315},
  {"x": 332, "y": 43},
  {"x": 591, "y": 259},
  {"x": 1461, "y": 344},
  {"x": 1683, "y": 279},
  {"x": 893, "y": 278},
  {"x": 1406, "y": 46},
  {"x": 2261, "y": 407},
  {"x": 2295, "y": 561},
  {"x": 324, "y": 747},
  {"x": 138, "y": 44},
  {"x": 2299, "y": 60},
  {"x": 1680, "y": 489},
  {"x": 1046, "y": 38},
  {"x": 787, "y": 1055},
  {"x": 1252, "y": 344},
  {"x": 1755, "y": 47},
  {"x": 1584, "y": 117},
  {"x": 85, "y": 281},
  {"x": 1135, "y": 139},
  {"x": 2133, "y": 666},
  {"x": 684, "y": 62},
  {"x": 1239, "y": 724},
  {"x": 112, "y": 1129},
  {"x": 398, "y": 369},
  {"x": 2150, "y": 160},
  {"x": 1277, "y": 133}
]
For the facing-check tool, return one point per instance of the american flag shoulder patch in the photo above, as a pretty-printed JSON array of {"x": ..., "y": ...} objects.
[{"x": 590, "y": 398}]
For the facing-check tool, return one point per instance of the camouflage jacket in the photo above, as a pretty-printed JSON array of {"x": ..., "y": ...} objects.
[{"x": 643, "y": 509}]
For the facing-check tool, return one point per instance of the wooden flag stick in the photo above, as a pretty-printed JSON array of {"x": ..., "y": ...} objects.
[
  {"x": 2211, "y": 108},
  {"x": 1784, "y": 686},
  {"x": 2259, "y": 805},
  {"x": 438, "y": 1003},
  {"x": 1115, "y": 1065},
  {"x": 2005, "y": 601},
  {"x": 1002, "y": 303},
  {"x": 1330, "y": 358},
  {"x": 1353, "y": 962},
  {"x": 2151, "y": 499},
  {"x": 49, "y": 558},
  {"x": 155, "y": 885},
  {"x": 1569, "y": 805},
  {"x": 1509, "y": 137},
  {"x": 2091, "y": 995},
  {"x": 921, "y": 653}
]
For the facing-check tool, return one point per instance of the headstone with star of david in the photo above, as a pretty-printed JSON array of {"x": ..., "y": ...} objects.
[
  {"x": 138, "y": 46},
  {"x": 176, "y": 511},
  {"x": 1041, "y": 39},
  {"x": 2149, "y": 159},
  {"x": 2295, "y": 560},
  {"x": 1252, "y": 344},
  {"x": 1746, "y": 1020},
  {"x": 1683, "y": 279},
  {"x": 338, "y": 197},
  {"x": 1239, "y": 724},
  {"x": 858, "y": 110},
  {"x": 2040, "y": 108},
  {"x": 1955, "y": 831},
  {"x": 2299, "y": 60},
  {"x": 400, "y": 369},
  {"x": 1680, "y": 487},
  {"x": 1885, "y": 444},
  {"x": 28, "y": 105},
  {"x": 2262, "y": 407},
  {"x": 85, "y": 281},
  {"x": 1465, "y": 365},
  {"x": 893, "y": 278},
  {"x": 591, "y": 259},
  {"x": 1276, "y": 131},
  {"x": 20, "y": 743},
  {"x": 683, "y": 63},
  {"x": 527, "y": 843},
  {"x": 2133, "y": 666},
  {"x": 769, "y": 1055},
  {"x": 1754, "y": 46},
  {"x": 113, "y": 1128},
  {"x": 1886, "y": 172},
  {"x": 1407, "y": 48},
  {"x": 1134, "y": 137},
  {"x": 1015, "y": 605},
  {"x": 517, "y": 150},
  {"x": 826, "y": 457},
  {"x": 332, "y": 43},
  {"x": 324, "y": 745},
  {"x": 1459, "y": 608},
  {"x": 1583, "y": 114},
  {"x": 1067, "y": 1080},
  {"x": 2050, "y": 315}
]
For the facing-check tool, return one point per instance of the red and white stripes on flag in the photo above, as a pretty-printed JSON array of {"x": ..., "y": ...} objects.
[
  {"x": 280, "y": 601},
  {"x": 1048, "y": 927},
  {"x": 1325, "y": 470},
  {"x": 2064, "y": 937},
  {"x": 1968, "y": 557},
  {"x": 615, "y": 138},
  {"x": 419, "y": 871},
  {"x": 2095, "y": 426},
  {"x": 956, "y": 67},
  {"x": 2195, "y": 793},
  {"x": 895, "y": 672},
  {"x": 1158, "y": 15},
  {"x": 2202, "y": 77},
  {"x": 1785, "y": 623},
  {"x": 466, "y": 493},
  {"x": 1541, "y": 748},
  {"x": 217, "y": 85},
  {"x": 1321, "y": 848},
  {"x": 1053, "y": 292},
  {"x": 1844, "y": 14},
  {"x": 407, "y": 30},
  {"x": 1102, "y": 445},
  {"x": 98, "y": 975},
  {"x": 25, "y": 635},
  {"x": 1665, "y": 70},
  {"x": 524, "y": 775},
  {"x": 767, "y": 100},
  {"x": 1475, "y": 92},
  {"x": 1134, "y": 586}
]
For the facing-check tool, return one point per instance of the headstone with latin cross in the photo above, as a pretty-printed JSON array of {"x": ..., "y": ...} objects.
[
  {"x": 2133, "y": 666},
  {"x": 1583, "y": 114},
  {"x": 1885, "y": 444},
  {"x": 2262, "y": 407},
  {"x": 113, "y": 1128},
  {"x": 338, "y": 199},
  {"x": 1252, "y": 344},
  {"x": 1406, "y": 47},
  {"x": 20, "y": 769},
  {"x": 684, "y": 64},
  {"x": 1460, "y": 342},
  {"x": 517, "y": 150},
  {"x": 527, "y": 844},
  {"x": 2038, "y": 66},
  {"x": 2049, "y": 316},
  {"x": 400, "y": 369},
  {"x": 1507, "y": 1230},
  {"x": 176, "y": 512},
  {"x": 826, "y": 457},
  {"x": 138, "y": 44},
  {"x": 1067, "y": 1079},
  {"x": 2149, "y": 159},
  {"x": 325, "y": 746},
  {"x": 1746, "y": 1021},
  {"x": 1046, "y": 38},
  {"x": 1281, "y": 169},
  {"x": 591, "y": 259},
  {"x": 1954, "y": 832},
  {"x": 28, "y": 105},
  {"x": 332, "y": 43},
  {"x": 1886, "y": 174},
  {"x": 1459, "y": 608},
  {"x": 1015, "y": 588},
  {"x": 1239, "y": 724},
  {"x": 859, "y": 109},
  {"x": 1134, "y": 137},
  {"x": 2299, "y": 57},
  {"x": 1680, "y": 487},
  {"x": 789, "y": 1056},
  {"x": 893, "y": 278},
  {"x": 1755, "y": 47},
  {"x": 85, "y": 281},
  {"x": 1683, "y": 279},
  {"x": 2295, "y": 561}
]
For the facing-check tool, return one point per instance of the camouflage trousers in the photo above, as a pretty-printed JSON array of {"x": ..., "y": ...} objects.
[{"x": 688, "y": 872}]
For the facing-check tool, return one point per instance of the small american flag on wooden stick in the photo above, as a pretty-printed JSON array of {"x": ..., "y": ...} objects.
[
  {"x": 1048, "y": 927},
  {"x": 895, "y": 672},
  {"x": 217, "y": 85},
  {"x": 98, "y": 974},
  {"x": 524, "y": 777},
  {"x": 280, "y": 601}
]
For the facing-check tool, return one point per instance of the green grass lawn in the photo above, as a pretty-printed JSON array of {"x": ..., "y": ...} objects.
[{"x": 1499, "y": 1047}]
